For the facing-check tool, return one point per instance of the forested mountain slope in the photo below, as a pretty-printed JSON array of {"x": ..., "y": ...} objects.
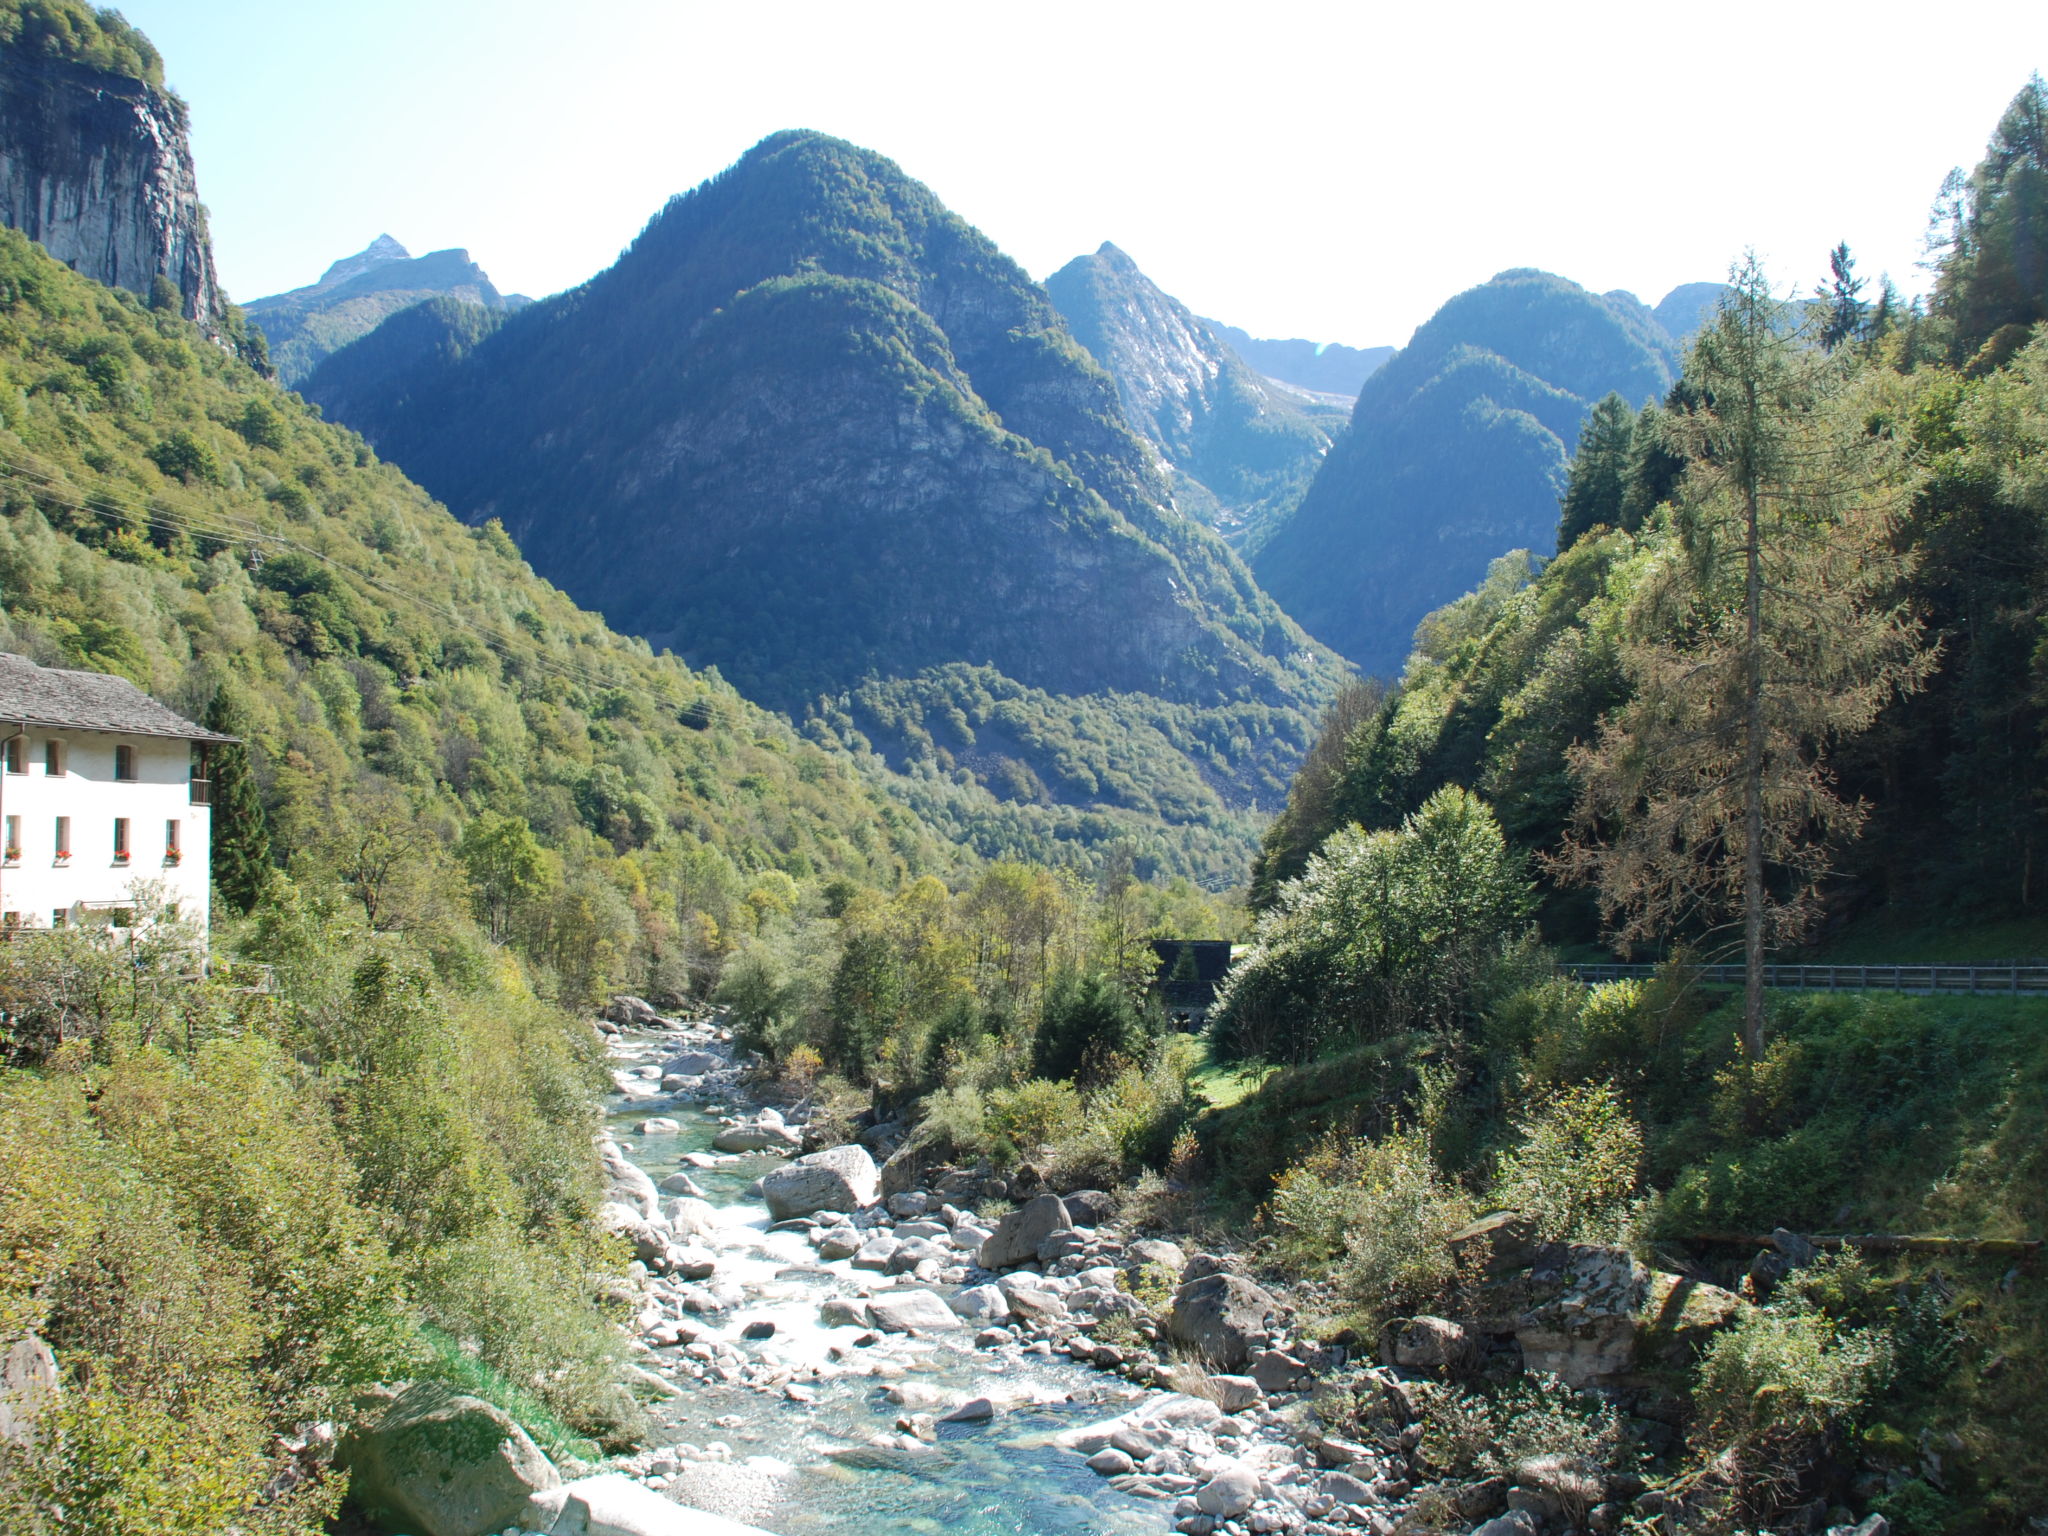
[
  {"x": 357, "y": 294},
  {"x": 816, "y": 430},
  {"x": 1455, "y": 455},
  {"x": 1239, "y": 448}
]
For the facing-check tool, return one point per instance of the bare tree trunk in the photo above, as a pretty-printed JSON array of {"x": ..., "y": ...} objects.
[{"x": 1753, "y": 783}]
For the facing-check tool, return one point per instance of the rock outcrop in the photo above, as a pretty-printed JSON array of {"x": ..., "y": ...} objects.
[
  {"x": 96, "y": 167},
  {"x": 837, "y": 1179},
  {"x": 445, "y": 1464}
]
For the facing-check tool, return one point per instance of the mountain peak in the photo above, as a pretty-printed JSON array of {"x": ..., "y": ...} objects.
[{"x": 376, "y": 253}]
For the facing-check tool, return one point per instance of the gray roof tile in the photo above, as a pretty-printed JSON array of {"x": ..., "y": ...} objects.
[{"x": 87, "y": 701}]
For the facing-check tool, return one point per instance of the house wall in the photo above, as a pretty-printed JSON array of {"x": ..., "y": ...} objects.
[{"x": 36, "y": 885}]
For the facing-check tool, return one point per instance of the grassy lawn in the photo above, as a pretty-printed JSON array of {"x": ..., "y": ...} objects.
[{"x": 1224, "y": 1085}]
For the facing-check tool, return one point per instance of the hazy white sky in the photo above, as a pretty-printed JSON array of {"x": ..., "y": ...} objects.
[{"x": 1325, "y": 170}]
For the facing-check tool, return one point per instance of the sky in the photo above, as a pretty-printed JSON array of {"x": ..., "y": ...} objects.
[{"x": 1326, "y": 170}]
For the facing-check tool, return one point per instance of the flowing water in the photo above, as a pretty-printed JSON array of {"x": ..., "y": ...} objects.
[{"x": 807, "y": 1469}]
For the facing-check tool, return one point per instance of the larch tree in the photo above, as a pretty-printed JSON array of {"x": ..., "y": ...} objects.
[{"x": 1771, "y": 630}]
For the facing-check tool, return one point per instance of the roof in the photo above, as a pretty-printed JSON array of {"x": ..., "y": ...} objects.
[{"x": 87, "y": 701}]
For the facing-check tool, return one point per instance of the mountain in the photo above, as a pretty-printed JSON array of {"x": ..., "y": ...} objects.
[
  {"x": 814, "y": 429},
  {"x": 1239, "y": 448},
  {"x": 1685, "y": 308},
  {"x": 1324, "y": 368},
  {"x": 95, "y": 158},
  {"x": 357, "y": 294},
  {"x": 1456, "y": 454}
]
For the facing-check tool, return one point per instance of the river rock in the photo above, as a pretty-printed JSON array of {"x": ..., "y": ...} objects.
[
  {"x": 629, "y": 1010},
  {"x": 907, "y": 1311},
  {"x": 688, "y": 1216},
  {"x": 28, "y": 1385},
  {"x": 1222, "y": 1318},
  {"x": 976, "y": 1410},
  {"x": 445, "y": 1464},
  {"x": 1154, "y": 1250},
  {"x": 650, "y": 1241},
  {"x": 1036, "y": 1307},
  {"x": 680, "y": 1183},
  {"x": 912, "y": 1252},
  {"x": 839, "y": 1243},
  {"x": 841, "y": 1179},
  {"x": 757, "y": 1136},
  {"x": 876, "y": 1252},
  {"x": 626, "y": 1183},
  {"x": 693, "y": 1064},
  {"x": 843, "y": 1312},
  {"x": 1110, "y": 1462},
  {"x": 1017, "y": 1236},
  {"x": 659, "y": 1125},
  {"x": 1233, "y": 1394},
  {"x": 981, "y": 1303},
  {"x": 1229, "y": 1493},
  {"x": 615, "y": 1505},
  {"x": 1425, "y": 1343},
  {"x": 910, "y": 1204},
  {"x": 1277, "y": 1371},
  {"x": 1088, "y": 1207}
]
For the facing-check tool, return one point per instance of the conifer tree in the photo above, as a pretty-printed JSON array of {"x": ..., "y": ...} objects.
[
  {"x": 1770, "y": 633},
  {"x": 1599, "y": 473},
  {"x": 1843, "y": 297},
  {"x": 241, "y": 838}
]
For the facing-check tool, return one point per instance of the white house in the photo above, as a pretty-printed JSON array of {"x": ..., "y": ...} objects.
[{"x": 100, "y": 787}]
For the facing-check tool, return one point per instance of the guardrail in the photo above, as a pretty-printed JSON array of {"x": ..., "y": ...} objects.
[{"x": 2020, "y": 979}]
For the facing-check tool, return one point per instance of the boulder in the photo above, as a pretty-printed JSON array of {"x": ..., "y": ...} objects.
[
  {"x": 838, "y": 1179},
  {"x": 650, "y": 1241},
  {"x": 693, "y": 1064},
  {"x": 1234, "y": 1394},
  {"x": 1110, "y": 1462},
  {"x": 616, "y": 1505},
  {"x": 843, "y": 1312},
  {"x": 689, "y": 1216},
  {"x": 629, "y": 1010},
  {"x": 981, "y": 1304},
  {"x": 1276, "y": 1371},
  {"x": 757, "y": 1136},
  {"x": 1018, "y": 1235},
  {"x": 626, "y": 1183},
  {"x": 1680, "y": 1315},
  {"x": 680, "y": 1183},
  {"x": 909, "y": 1205},
  {"x": 1425, "y": 1343},
  {"x": 1036, "y": 1307},
  {"x": 1222, "y": 1318},
  {"x": 1229, "y": 1493},
  {"x": 444, "y": 1464},
  {"x": 28, "y": 1385},
  {"x": 976, "y": 1410},
  {"x": 1088, "y": 1207},
  {"x": 908, "y": 1311},
  {"x": 1154, "y": 1250},
  {"x": 911, "y": 1252},
  {"x": 876, "y": 1252},
  {"x": 1202, "y": 1265},
  {"x": 1577, "y": 1311},
  {"x": 1496, "y": 1244}
]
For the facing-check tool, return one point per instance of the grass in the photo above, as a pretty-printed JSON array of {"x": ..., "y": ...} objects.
[
  {"x": 1883, "y": 939},
  {"x": 463, "y": 1371},
  {"x": 1225, "y": 1084}
]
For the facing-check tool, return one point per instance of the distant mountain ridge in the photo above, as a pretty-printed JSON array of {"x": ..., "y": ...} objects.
[
  {"x": 1327, "y": 368},
  {"x": 1455, "y": 455},
  {"x": 357, "y": 294},
  {"x": 816, "y": 430},
  {"x": 1240, "y": 448}
]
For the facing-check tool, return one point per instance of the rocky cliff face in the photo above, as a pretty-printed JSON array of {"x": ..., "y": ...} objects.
[
  {"x": 1240, "y": 450},
  {"x": 1322, "y": 368},
  {"x": 357, "y": 294},
  {"x": 97, "y": 168}
]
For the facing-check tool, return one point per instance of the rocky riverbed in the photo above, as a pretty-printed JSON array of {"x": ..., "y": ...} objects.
[{"x": 830, "y": 1359}]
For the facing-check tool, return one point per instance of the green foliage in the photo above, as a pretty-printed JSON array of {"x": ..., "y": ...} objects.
[
  {"x": 1494, "y": 1432},
  {"x": 1785, "y": 1368},
  {"x": 1991, "y": 236},
  {"x": 1383, "y": 932},
  {"x": 1576, "y": 1169},
  {"x": 1090, "y": 1025},
  {"x": 78, "y": 33}
]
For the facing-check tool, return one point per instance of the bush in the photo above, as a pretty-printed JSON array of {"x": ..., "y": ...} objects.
[
  {"x": 1381, "y": 1211},
  {"x": 1484, "y": 1433},
  {"x": 1786, "y": 1368},
  {"x": 1031, "y": 1116},
  {"x": 1576, "y": 1169}
]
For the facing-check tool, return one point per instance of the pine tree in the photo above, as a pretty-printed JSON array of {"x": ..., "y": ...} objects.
[
  {"x": 1843, "y": 296},
  {"x": 1989, "y": 233},
  {"x": 241, "y": 860},
  {"x": 1769, "y": 634},
  {"x": 1599, "y": 473}
]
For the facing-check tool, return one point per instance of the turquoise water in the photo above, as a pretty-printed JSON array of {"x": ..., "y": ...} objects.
[{"x": 807, "y": 1469}]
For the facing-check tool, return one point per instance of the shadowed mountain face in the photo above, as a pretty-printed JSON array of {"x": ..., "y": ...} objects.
[
  {"x": 1456, "y": 454},
  {"x": 1239, "y": 448},
  {"x": 357, "y": 294},
  {"x": 816, "y": 430}
]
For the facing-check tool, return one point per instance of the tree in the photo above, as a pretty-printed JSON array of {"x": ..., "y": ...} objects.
[
  {"x": 1599, "y": 473},
  {"x": 1989, "y": 232},
  {"x": 1843, "y": 320},
  {"x": 507, "y": 866},
  {"x": 1769, "y": 633},
  {"x": 240, "y": 855}
]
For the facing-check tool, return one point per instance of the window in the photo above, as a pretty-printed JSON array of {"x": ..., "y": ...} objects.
[
  {"x": 171, "y": 849},
  {"x": 124, "y": 763},
  {"x": 15, "y": 760},
  {"x": 53, "y": 759},
  {"x": 59, "y": 916},
  {"x": 13, "y": 839},
  {"x": 120, "y": 839},
  {"x": 63, "y": 837}
]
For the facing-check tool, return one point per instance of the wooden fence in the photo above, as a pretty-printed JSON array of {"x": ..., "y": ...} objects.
[{"x": 2004, "y": 979}]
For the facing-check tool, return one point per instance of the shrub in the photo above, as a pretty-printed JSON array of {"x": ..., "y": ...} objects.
[
  {"x": 1029, "y": 1116},
  {"x": 1788, "y": 1368},
  {"x": 1381, "y": 1211},
  {"x": 1575, "y": 1171},
  {"x": 1481, "y": 1433}
]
